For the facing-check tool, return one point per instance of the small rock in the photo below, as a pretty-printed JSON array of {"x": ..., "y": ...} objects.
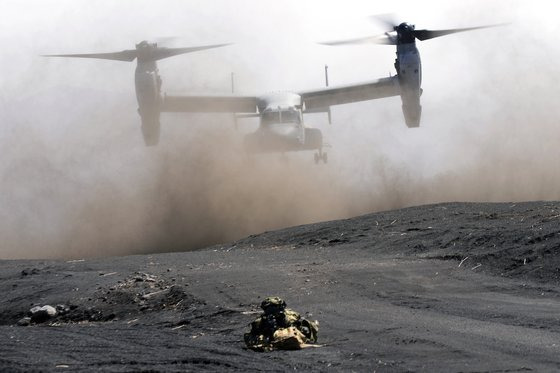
[
  {"x": 62, "y": 309},
  {"x": 26, "y": 321}
]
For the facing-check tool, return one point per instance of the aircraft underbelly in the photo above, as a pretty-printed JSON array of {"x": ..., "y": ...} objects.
[
  {"x": 270, "y": 141},
  {"x": 283, "y": 130}
]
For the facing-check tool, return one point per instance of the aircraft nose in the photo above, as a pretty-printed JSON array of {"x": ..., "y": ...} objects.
[{"x": 284, "y": 130}]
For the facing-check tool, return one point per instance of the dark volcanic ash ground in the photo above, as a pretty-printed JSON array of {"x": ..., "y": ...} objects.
[{"x": 448, "y": 287}]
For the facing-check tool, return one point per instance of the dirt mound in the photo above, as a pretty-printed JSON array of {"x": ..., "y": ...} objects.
[
  {"x": 134, "y": 296},
  {"x": 519, "y": 240}
]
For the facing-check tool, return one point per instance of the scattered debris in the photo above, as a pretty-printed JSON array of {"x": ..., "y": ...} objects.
[
  {"x": 150, "y": 295},
  {"x": 550, "y": 218},
  {"x": 107, "y": 274},
  {"x": 126, "y": 298},
  {"x": 29, "y": 272},
  {"x": 42, "y": 314}
]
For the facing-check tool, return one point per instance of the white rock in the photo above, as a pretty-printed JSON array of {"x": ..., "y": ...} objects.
[
  {"x": 41, "y": 314},
  {"x": 50, "y": 310}
]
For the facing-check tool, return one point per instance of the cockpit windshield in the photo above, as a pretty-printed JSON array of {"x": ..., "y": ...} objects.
[{"x": 280, "y": 116}]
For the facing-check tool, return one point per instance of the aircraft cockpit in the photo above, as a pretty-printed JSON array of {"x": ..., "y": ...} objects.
[{"x": 280, "y": 116}]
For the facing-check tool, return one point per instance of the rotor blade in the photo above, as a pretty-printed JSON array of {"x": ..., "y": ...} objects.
[
  {"x": 162, "y": 53},
  {"x": 126, "y": 55},
  {"x": 388, "y": 20},
  {"x": 430, "y": 34},
  {"x": 385, "y": 39}
]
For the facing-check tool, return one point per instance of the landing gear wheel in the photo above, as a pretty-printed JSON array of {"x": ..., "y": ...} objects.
[{"x": 321, "y": 156}]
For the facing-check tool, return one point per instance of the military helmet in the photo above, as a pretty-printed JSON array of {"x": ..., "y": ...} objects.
[{"x": 273, "y": 304}]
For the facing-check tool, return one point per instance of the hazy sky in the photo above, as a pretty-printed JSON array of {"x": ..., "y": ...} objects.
[{"x": 76, "y": 178}]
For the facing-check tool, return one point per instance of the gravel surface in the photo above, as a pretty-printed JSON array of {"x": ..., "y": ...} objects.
[{"x": 459, "y": 287}]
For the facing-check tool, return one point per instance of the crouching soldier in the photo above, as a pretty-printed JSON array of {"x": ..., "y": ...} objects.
[{"x": 280, "y": 328}]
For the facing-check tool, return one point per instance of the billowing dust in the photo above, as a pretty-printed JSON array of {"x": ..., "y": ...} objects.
[
  {"x": 202, "y": 188},
  {"x": 76, "y": 180},
  {"x": 184, "y": 194}
]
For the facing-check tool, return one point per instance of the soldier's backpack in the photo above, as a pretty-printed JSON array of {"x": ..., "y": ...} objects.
[{"x": 288, "y": 339}]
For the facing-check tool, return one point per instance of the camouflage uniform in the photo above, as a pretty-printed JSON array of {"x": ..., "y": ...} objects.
[{"x": 270, "y": 330}]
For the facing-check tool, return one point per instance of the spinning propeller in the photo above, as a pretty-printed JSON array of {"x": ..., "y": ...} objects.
[
  {"x": 401, "y": 33},
  {"x": 144, "y": 52}
]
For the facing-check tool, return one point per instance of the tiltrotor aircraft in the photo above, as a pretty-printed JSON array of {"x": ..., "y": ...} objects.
[{"x": 282, "y": 126}]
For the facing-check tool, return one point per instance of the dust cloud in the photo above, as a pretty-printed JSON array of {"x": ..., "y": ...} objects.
[
  {"x": 179, "y": 196},
  {"x": 76, "y": 180}
]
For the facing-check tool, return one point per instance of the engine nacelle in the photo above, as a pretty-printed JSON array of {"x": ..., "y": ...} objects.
[
  {"x": 409, "y": 68},
  {"x": 411, "y": 108},
  {"x": 148, "y": 86},
  {"x": 150, "y": 129}
]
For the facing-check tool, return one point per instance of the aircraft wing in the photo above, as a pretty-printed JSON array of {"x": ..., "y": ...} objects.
[
  {"x": 323, "y": 98},
  {"x": 209, "y": 104}
]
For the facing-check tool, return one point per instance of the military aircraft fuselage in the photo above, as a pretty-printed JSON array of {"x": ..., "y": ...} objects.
[
  {"x": 280, "y": 116},
  {"x": 281, "y": 127}
]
